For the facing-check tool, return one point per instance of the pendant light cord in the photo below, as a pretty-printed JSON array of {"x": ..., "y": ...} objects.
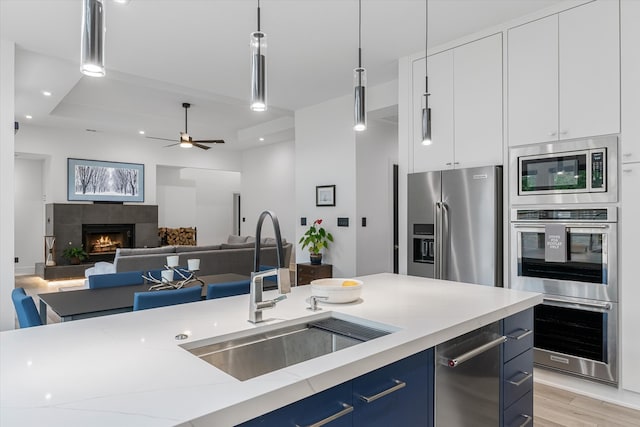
[
  {"x": 258, "y": 15},
  {"x": 426, "y": 46},
  {"x": 359, "y": 33}
]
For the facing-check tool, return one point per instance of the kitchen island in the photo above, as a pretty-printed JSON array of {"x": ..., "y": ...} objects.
[{"x": 129, "y": 369}]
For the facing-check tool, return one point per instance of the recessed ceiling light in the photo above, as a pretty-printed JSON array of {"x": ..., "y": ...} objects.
[
  {"x": 141, "y": 132},
  {"x": 46, "y": 93},
  {"x": 28, "y": 116},
  {"x": 261, "y": 139},
  {"x": 122, "y": 1}
]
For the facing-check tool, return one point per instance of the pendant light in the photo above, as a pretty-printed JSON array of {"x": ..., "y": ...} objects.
[
  {"x": 258, "y": 68},
  {"x": 359, "y": 83},
  {"x": 92, "y": 44},
  {"x": 426, "y": 111}
]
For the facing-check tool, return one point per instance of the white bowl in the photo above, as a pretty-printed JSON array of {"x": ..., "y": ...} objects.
[{"x": 334, "y": 292}]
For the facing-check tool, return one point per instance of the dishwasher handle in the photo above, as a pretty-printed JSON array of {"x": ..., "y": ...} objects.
[{"x": 456, "y": 361}]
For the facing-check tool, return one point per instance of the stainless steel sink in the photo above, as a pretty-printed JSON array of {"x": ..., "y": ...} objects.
[{"x": 267, "y": 351}]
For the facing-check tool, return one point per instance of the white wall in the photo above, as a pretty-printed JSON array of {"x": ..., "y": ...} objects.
[
  {"x": 376, "y": 153},
  {"x": 201, "y": 198},
  {"x": 7, "y": 98},
  {"x": 61, "y": 144},
  {"x": 29, "y": 214},
  {"x": 326, "y": 155},
  {"x": 268, "y": 182}
]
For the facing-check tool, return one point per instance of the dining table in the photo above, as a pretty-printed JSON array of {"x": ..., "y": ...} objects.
[{"x": 85, "y": 303}]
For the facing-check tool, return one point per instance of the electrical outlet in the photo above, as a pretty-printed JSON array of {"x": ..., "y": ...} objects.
[{"x": 16, "y": 260}]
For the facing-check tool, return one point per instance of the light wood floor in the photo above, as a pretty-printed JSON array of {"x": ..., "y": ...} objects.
[{"x": 553, "y": 407}]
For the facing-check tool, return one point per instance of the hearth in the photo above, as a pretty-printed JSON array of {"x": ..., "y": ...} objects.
[{"x": 101, "y": 240}]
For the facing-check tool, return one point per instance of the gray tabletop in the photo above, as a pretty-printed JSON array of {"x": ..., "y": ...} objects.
[{"x": 84, "y": 303}]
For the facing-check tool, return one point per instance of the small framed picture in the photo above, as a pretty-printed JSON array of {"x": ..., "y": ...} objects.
[{"x": 325, "y": 195}]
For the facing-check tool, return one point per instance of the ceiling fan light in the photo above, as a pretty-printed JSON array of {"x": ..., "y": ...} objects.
[
  {"x": 186, "y": 144},
  {"x": 92, "y": 41}
]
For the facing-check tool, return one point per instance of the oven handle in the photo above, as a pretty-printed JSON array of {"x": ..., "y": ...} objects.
[
  {"x": 599, "y": 306},
  {"x": 569, "y": 225}
]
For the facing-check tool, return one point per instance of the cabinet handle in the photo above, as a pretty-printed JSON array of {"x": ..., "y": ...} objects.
[
  {"x": 554, "y": 133},
  {"x": 527, "y": 377},
  {"x": 627, "y": 170},
  {"x": 525, "y": 333},
  {"x": 448, "y": 163},
  {"x": 456, "y": 163},
  {"x": 627, "y": 154},
  {"x": 398, "y": 386},
  {"x": 347, "y": 409},
  {"x": 455, "y": 361},
  {"x": 528, "y": 419}
]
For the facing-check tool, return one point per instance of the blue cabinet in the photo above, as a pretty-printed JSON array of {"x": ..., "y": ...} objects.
[
  {"x": 397, "y": 394},
  {"x": 517, "y": 370},
  {"x": 333, "y": 404}
]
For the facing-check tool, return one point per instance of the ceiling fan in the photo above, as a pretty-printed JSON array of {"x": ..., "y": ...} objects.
[{"x": 185, "y": 140}]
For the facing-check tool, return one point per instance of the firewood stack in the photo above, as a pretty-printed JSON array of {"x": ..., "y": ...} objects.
[{"x": 178, "y": 236}]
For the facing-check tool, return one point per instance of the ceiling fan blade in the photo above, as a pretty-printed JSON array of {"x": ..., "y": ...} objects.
[
  {"x": 210, "y": 141},
  {"x": 204, "y": 147},
  {"x": 171, "y": 145},
  {"x": 161, "y": 139}
]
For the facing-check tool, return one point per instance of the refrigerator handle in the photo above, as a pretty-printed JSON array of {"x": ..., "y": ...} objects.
[
  {"x": 444, "y": 240},
  {"x": 437, "y": 213}
]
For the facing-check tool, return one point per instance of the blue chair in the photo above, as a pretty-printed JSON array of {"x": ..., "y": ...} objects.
[
  {"x": 112, "y": 280},
  {"x": 152, "y": 299},
  {"x": 228, "y": 289},
  {"x": 28, "y": 315}
]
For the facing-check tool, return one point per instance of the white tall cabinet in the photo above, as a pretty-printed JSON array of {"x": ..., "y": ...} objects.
[
  {"x": 630, "y": 196},
  {"x": 564, "y": 75},
  {"x": 466, "y": 107}
]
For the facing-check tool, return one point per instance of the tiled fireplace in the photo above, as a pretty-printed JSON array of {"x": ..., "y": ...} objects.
[{"x": 101, "y": 228}]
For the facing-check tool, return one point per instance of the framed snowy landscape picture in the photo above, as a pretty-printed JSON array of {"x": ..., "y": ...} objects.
[{"x": 100, "y": 181}]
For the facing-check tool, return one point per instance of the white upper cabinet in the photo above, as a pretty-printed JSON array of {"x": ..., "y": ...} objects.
[
  {"x": 532, "y": 52},
  {"x": 466, "y": 107},
  {"x": 478, "y": 102},
  {"x": 590, "y": 70},
  {"x": 564, "y": 75},
  {"x": 440, "y": 152},
  {"x": 630, "y": 48}
]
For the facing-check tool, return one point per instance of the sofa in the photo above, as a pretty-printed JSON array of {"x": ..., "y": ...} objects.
[{"x": 234, "y": 256}]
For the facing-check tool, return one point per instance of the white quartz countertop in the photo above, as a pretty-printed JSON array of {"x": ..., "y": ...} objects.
[{"x": 129, "y": 370}]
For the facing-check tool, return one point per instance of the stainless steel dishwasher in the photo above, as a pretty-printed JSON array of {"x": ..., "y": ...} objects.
[{"x": 467, "y": 387}]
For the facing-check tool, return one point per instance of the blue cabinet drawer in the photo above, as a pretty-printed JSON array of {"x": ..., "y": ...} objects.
[
  {"x": 518, "y": 377},
  {"x": 519, "y": 332},
  {"x": 332, "y": 403},
  {"x": 520, "y": 414},
  {"x": 397, "y": 394}
]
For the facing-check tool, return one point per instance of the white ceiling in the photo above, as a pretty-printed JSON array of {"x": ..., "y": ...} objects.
[{"x": 160, "y": 53}]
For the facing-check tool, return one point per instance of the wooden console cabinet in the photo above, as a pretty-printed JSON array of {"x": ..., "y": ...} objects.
[{"x": 306, "y": 272}]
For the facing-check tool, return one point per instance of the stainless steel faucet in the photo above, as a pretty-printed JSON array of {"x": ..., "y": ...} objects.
[{"x": 256, "y": 305}]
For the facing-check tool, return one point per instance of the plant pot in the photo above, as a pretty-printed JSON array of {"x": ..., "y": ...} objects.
[
  {"x": 316, "y": 259},
  {"x": 74, "y": 260}
]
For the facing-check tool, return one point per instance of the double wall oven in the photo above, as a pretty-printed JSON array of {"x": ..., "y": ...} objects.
[{"x": 567, "y": 250}]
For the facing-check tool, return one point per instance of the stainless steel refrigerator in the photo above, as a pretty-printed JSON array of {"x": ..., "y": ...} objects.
[{"x": 455, "y": 225}]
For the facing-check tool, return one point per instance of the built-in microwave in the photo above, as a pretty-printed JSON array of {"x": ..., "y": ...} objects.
[{"x": 576, "y": 171}]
